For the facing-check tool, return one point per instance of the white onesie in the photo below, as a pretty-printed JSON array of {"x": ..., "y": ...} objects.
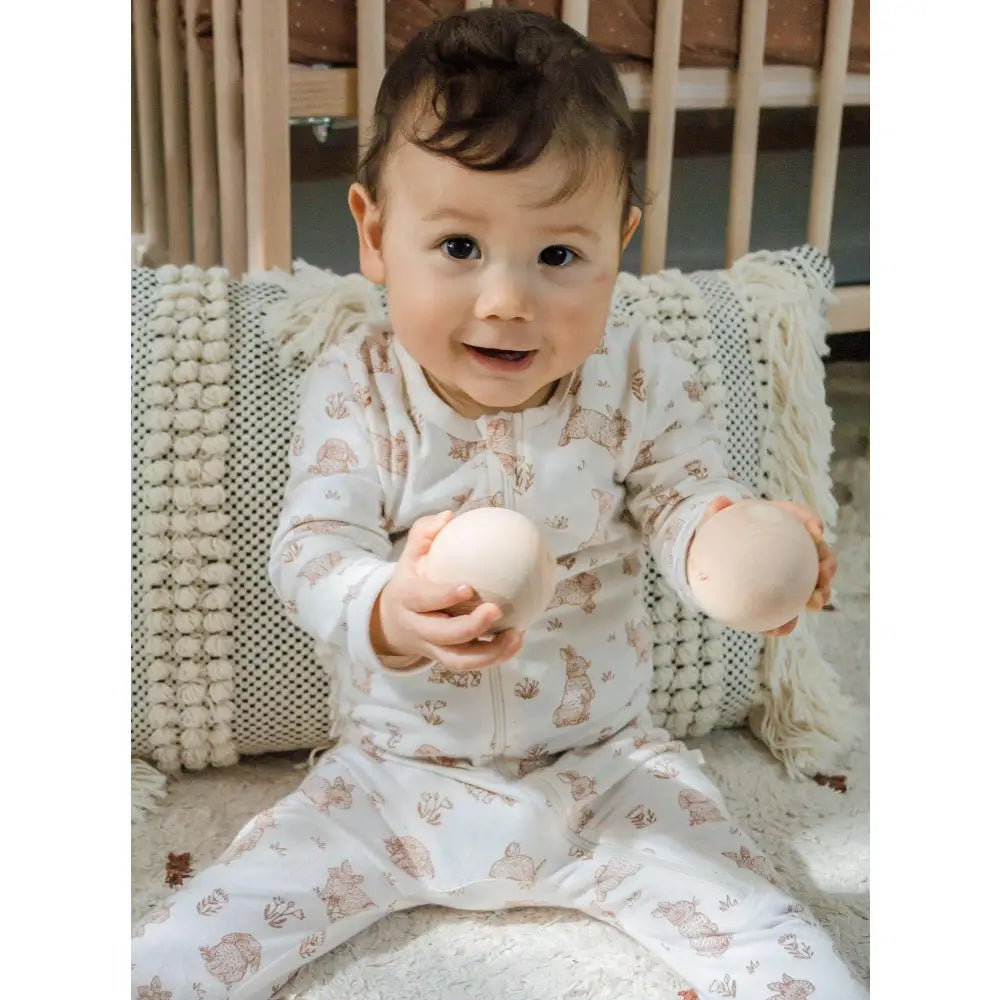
[{"x": 538, "y": 781}]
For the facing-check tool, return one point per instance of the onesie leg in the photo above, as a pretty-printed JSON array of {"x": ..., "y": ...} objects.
[
  {"x": 299, "y": 879},
  {"x": 657, "y": 854}
]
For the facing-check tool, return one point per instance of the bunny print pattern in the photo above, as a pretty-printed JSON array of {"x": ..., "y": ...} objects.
[
  {"x": 331, "y": 864},
  {"x": 545, "y": 764}
]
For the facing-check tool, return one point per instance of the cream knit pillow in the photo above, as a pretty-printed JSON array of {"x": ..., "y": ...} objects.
[{"x": 217, "y": 669}]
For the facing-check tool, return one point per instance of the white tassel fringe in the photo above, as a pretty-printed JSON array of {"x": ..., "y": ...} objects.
[
  {"x": 322, "y": 309},
  {"x": 149, "y": 787},
  {"x": 801, "y": 716}
]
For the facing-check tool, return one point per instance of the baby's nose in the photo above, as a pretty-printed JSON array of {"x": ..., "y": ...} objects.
[{"x": 504, "y": 295}]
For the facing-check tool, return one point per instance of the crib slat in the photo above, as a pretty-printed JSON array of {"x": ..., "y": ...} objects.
[
  {"x": 136, "y": 168},
  {"x": 828, "y": 122},
  {"x": 175, "y": 145},
  {"x": 851, "y": 310},
  {"x": 749, "y": 76},
  {"x": 265, "y": 95},
  {"x": 371, "y": 63},
  {"x": 475, "y": 4},
  {"x": 660, "y": 147},
  {"x": 229, "y": 136},
  {"x": 204, "y": 164},
  {"x": 576, "y": 13},
  {"x": 322, "y": 93},
  {"x": 147, "y": 86},
  {"x": 702, "y": 88}
]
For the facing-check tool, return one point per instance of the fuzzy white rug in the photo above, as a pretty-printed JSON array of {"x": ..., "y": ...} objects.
[{"x": 817, "y": 838}]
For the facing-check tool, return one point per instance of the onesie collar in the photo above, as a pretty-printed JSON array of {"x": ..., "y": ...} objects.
[{"x": 438, "y": 412}]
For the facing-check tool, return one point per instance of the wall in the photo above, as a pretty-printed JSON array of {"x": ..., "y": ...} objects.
[{"x": 323, "y": 231}]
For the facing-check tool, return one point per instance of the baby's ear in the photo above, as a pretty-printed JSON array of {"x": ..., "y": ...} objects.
[
  {"x": 368, "y": 219},
  {"x": 634, "y": 215}
]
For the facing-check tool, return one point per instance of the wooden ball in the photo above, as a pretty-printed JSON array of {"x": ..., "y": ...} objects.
[
  {"x": 753, "y": 566},
  {"x": 502, "y": 556}
]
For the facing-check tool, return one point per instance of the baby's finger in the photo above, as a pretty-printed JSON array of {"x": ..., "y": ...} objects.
[
  {"x": 784, "y": 629},
  {"x": 827, "y": 564},
  {"x": 479, "y": 655},
  {"x": 821, "y": 595},
  {"x": 818, "y": 599},
  {"x": 811, "y": 521},
  {"x": 422, "y": 596},
  {"x": 455, "y": 630},
  {"x": 714, "y": 506},
  {"x": 423, "y": 531}
]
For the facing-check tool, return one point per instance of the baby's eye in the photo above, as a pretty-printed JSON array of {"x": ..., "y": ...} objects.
[
  {"x": 557, "y": 256},
  {"x": 460, "y": 248}
]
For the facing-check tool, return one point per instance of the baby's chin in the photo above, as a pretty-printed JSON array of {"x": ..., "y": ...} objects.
[
  {"x": 508, "y": 398},
  {"x": 473, "y": 396}
]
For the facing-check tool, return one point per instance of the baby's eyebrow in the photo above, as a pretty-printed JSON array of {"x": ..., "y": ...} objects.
[
  {"x": 458, "y": 215},
  {"x": 440, "y": 214},
  {"x": 572, "y": 230}
]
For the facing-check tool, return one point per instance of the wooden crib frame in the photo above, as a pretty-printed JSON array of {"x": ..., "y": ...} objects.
[{"x": 211, "y": 171}]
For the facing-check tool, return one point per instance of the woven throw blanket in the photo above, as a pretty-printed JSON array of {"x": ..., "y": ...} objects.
[{"x": 217, "y": 669}]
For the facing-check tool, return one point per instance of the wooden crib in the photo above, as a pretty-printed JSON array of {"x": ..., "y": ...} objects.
[{"x": 211, "y": 166}]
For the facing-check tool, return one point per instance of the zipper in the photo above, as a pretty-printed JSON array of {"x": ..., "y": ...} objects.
[
  {"x": 499, "y": 720},
  {"x": 495, "y": 679}
]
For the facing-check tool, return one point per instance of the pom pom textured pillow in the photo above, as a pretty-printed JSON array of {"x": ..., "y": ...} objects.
[{"x": 217, "y": 668}]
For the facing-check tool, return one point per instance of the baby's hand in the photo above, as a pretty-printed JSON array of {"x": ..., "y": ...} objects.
[
  {"x": 410, "y": 616},
  {"x": 820, "y": 597}
]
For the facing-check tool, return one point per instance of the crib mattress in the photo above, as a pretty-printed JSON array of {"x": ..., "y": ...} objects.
[{"x": 325, "y": 31}]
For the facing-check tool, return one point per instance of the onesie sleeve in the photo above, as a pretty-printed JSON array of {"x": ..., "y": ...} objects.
[
  {"x": 680, "y": 468},
  {"x": 330, "y": 556}
]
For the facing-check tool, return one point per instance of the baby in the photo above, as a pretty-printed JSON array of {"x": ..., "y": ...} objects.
[{"x": 476, "y": 771}]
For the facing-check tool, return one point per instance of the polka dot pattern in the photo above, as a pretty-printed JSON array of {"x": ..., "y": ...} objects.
[{"x": 704, "y": 675}]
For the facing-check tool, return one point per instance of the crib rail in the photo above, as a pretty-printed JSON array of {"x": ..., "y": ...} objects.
[
  {"x": 147, "y": 134},
  {"x": 204, "y": 161},
  {"x": 210, "y": 150}
]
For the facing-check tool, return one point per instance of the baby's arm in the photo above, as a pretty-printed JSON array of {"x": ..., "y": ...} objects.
[
  {"x": 679, "y": 472},
  {"x": 331, "y": 553}
]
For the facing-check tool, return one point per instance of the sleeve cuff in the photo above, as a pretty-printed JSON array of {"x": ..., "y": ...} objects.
[
  {"x": 677, "y": 555},
  {"x": 359, "y": 641}
]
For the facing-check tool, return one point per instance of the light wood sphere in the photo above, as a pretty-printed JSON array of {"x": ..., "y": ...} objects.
[
  {"x": 502, "y": 556},
  {"x": 753, "y": 566}
]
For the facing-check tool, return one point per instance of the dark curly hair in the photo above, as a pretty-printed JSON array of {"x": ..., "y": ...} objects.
[{"x": 504, "y": 85}]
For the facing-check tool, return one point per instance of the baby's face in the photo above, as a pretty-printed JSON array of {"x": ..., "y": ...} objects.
[{"x": 494, "y": 294}]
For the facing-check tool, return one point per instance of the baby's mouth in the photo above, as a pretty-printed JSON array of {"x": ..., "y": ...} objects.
[{"x": 492, "y": 352}]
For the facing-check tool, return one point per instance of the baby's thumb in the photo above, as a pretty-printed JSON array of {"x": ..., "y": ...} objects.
[
  {"x": 423, "y": 532},
  {"x": 717, "y": 504}
]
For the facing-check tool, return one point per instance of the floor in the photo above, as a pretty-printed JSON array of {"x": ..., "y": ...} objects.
[{"x": 847, "y": 393}]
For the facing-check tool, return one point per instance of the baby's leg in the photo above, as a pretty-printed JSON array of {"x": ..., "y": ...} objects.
[
  {"x": 660, "y": 857},
  {"x": 299, "y": 879}
]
